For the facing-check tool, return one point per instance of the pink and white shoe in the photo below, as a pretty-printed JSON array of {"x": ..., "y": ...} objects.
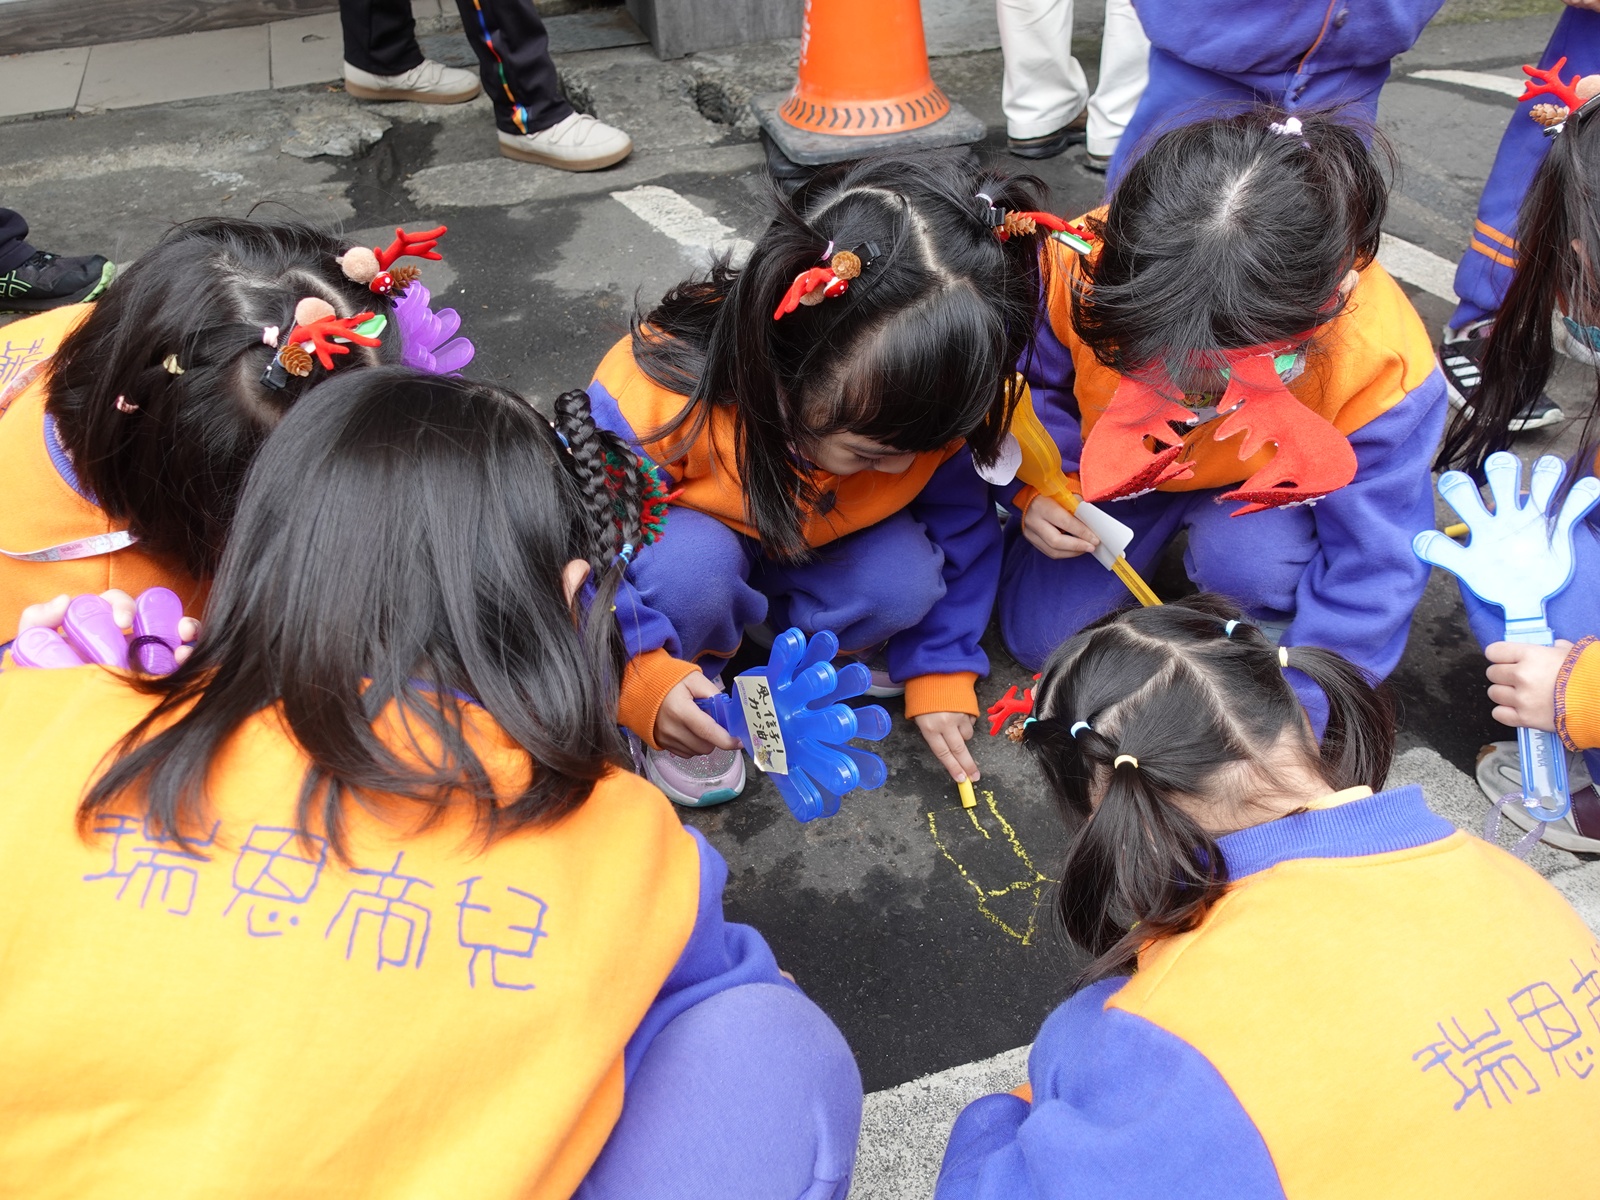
[{"x": 697, "y": 782}]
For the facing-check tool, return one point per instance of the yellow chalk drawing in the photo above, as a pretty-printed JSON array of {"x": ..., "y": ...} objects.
[{"x": 1033, "y": 883}]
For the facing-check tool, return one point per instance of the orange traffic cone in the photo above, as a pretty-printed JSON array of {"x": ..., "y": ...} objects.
[{"x": 863, "y": 86}]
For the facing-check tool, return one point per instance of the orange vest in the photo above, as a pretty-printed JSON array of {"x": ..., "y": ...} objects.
[
  {"x": 1441, "y": 1001},
  {"x": 42, "y": 510},
  {"x": 1364, "y": 362},
  {"x": 708, "y": 474},
  {"x": 435, "y": 1019}
]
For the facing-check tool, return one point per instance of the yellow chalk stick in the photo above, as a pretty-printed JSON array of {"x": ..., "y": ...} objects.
[
  {"x": 1456, "y": 531},
  {"x": 968, "y": 798}
]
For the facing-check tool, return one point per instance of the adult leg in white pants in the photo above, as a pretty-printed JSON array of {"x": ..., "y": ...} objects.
[
  {"x": 1124, "y": 71},
  {"x": 1044, "y": 92}
]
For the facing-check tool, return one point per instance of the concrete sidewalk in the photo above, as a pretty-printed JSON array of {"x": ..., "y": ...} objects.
[{"x": 308, "y": 50}]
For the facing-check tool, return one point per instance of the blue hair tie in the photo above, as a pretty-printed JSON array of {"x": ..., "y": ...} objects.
[
  {"x": 1077, "y": 725},
  {"x": 1227, "y": 629},
  {"x": 625, "y": 555}
]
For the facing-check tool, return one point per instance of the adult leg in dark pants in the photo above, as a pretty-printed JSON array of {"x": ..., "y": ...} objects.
[
  {"x": 35, "y": 280},
  {"x": 535, "y": 121},
  {"x": 382, "y": 60}
]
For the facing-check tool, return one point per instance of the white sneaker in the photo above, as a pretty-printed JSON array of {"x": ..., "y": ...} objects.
[
  {"x": 579, "y": 143},
  {"x": 427, "y": 83}
]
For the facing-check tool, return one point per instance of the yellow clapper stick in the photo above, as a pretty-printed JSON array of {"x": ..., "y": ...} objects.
[{"x": 1041, "y": 468}]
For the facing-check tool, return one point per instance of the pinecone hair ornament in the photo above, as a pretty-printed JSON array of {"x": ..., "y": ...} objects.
[
  {"x": 811, "y": 287},
  {"x": 1009, "y": 224},
  {"x": 1572, "y": 94},
  {"x": 376, "y": 268}
]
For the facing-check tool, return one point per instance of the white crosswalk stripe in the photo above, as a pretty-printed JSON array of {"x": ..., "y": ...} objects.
[
  {"x": 1474, "y": 79},
  {"x": 681, "y": 220}
]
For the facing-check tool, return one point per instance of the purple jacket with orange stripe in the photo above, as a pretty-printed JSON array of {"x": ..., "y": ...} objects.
[{"x": 1379, "y": 1005}]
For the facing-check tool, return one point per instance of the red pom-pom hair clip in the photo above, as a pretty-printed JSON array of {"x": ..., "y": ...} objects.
[
  {"x": 372, "y": 267},
  {"x": 816, "y": 284}
]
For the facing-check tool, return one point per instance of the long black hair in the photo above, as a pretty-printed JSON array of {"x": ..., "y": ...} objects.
[
  {"x": 1562, "y": 206},
  {"x": 401, "y": 541},
  {"x": 1199, "y": 709},
  {"x": 1226, "y": 234},
  {"x": 173, "y": 467},
  {"x": 918, "y": 352}
]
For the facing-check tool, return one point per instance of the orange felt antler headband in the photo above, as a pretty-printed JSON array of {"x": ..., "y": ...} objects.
[{"x": 372, "y": 267}]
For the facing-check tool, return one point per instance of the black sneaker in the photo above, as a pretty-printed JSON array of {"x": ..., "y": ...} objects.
[
  {"x": 1098, "y": 163},
  {"x": 1461, "y": 359},
  {"x": 1051, "y": 144},
  {"x": 48, "y": 281}
]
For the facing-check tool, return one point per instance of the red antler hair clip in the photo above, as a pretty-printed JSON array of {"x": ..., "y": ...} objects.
[
  {"x": 816, "y": 284},
  {"x": 317, "y": 330},
  {"x": 1547, "y": 82},
  {"x": 372, "y": 267}
]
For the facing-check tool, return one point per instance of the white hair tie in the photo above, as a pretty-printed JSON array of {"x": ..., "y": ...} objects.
[{"x": 1288, "y": 127}]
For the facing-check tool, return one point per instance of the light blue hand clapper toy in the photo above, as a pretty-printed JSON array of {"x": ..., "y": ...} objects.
[{"x": 1516, "y": 559}]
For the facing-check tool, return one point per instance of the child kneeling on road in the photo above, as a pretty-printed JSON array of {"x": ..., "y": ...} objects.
[
  {"x": 1299, "y": 986},
  {"x": 358, "y": 900}
]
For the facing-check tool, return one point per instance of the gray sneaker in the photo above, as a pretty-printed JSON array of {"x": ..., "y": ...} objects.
[{"x": 1500, "y": 774}]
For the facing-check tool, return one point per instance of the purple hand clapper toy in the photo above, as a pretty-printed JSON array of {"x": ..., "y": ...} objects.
[
  {"x": 92, "y": 631},
  {"x": 92, "y": 636},
  {"x": 156, "y": 614}
]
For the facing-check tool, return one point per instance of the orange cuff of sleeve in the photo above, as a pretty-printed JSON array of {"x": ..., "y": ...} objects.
[
  {"x": 1023, "y": 1092},
  {"x": 955, "y": 692},
  {"x": 1024, "y": 498},
  {"x": 1578, "y": 697},
  {"x": 645, "y": 683}
]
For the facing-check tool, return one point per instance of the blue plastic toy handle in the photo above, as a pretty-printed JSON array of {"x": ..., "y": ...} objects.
[
  {"x": 1545, "y": 792},
  {"x": 804, "y": 726},
  {"x": 1517, "y": 557}
]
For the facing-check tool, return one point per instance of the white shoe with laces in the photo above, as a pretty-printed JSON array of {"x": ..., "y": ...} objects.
[
  {"x": 578, "y": 143},
  {"x": 428, "y": 82}
]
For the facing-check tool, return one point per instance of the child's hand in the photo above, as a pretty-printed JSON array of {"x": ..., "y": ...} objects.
[
  {"x": 946, "y": 734},
  {"x": 1055, "y": 532},
  {"x": 682, "y": 729},
  {"x": 1523, "y": 683}
]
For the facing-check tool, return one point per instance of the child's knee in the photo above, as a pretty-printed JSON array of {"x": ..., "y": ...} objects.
[
  {"x": 751, "y": 1092},
  {"x": 698, "y": 557},
  {"x": 1259, "y": 565}
]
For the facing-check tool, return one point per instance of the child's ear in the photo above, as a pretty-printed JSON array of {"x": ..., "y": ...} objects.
[{"x": 573, "y": 576}]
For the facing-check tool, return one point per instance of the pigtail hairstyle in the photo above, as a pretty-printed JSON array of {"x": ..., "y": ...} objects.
[
  {"x": 1226, "y": 234},
  {"x": 1562, "y": 206},
  {"x": 157, "y": 394},
  {"x": 1157, "y": 710},
  {"x": 919, "y": 352},
  {"x": 394, "y": 577}
]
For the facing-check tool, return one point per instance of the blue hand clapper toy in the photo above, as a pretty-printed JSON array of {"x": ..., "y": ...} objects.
[
  {"x": 1517, "y": 560},
  {"x": 791, "y": 718}
]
